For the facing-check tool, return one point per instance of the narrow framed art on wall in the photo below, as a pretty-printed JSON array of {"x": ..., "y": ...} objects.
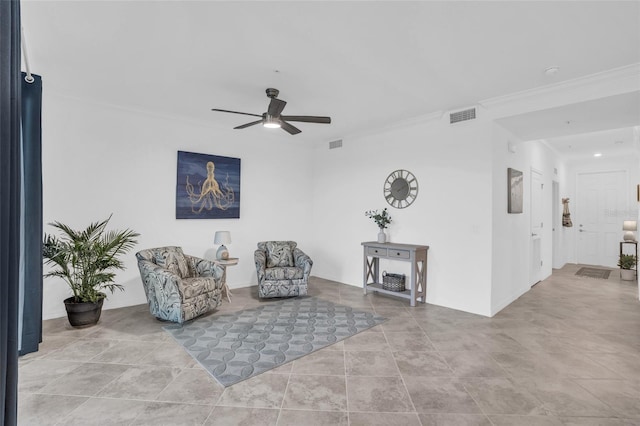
[
  {"x": 515, "y": 190},
  {"x": 207, "y": 186}
]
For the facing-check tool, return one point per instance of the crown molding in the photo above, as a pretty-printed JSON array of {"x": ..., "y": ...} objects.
[
  {"x": 605, "y": 77},
  {"x": 409, "y": 122},
  {"x": 155, "y": 114},
  {"x": 131, "y": 109}
]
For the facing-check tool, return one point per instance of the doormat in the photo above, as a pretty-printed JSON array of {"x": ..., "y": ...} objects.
[
  {"x": 602, "y": 274},
  {"x": 235, "y": 346}
]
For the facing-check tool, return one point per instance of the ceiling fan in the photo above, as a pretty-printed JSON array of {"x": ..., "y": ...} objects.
[{"x": 273, "y": 119}]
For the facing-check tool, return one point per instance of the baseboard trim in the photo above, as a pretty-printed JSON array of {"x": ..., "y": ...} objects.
[{"x": 508, "y": 300}]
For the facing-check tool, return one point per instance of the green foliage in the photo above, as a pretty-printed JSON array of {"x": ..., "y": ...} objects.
[
  {"x": 381, "y": 219},
  {"x": 627, "y": 261},
  {"x": 86, "y": 259}
]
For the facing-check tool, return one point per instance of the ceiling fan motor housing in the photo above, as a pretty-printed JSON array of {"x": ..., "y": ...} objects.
[{"x": 272, "y": 93}]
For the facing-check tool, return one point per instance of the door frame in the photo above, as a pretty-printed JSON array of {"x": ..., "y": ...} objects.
[
  {"x": 537, "y": 238},
  {"x": 556, "y": 225}
]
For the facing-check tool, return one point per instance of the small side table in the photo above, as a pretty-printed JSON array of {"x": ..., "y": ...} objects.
[{"x": 224, "y": 263}]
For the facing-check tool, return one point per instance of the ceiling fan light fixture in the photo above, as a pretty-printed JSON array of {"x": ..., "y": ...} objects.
[{"x": 271, "y": 123}]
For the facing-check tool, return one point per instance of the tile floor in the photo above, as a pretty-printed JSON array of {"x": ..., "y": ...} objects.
[{"x": 565, "y": 353}]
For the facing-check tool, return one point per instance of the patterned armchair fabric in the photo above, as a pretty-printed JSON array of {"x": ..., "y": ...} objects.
[
  {"x": 283, "y": 269},
  {"x": 179, "y": 287}
]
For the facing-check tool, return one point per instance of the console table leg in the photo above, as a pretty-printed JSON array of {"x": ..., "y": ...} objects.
[
  {"x": 365, "y": 273},
  {"x": 414, "y": 282}
]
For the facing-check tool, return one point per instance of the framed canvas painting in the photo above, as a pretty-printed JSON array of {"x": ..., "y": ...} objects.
[
  {"x": 208, "y": 186},
  {"x": 515, "y": 191}
]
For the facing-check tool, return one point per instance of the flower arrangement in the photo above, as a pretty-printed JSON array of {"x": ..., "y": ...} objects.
[{"x": 381, "y": 219}]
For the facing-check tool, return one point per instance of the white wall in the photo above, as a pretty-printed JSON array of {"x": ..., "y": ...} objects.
[
  {"x": 510, "y": 239},
  {"x": 636, "y": 134},
  {"x": 98, "y": 160},
  {"x": 511, "y": 249},
  {"x": 452, "y": 213}
]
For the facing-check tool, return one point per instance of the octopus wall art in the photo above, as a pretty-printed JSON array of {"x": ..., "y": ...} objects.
[{"x": 208, "y": 186}]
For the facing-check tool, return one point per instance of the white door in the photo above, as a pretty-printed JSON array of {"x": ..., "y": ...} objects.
[
  {"x": 536, "y": 227},
  {"x": 556, "y": 223},
  {"x": 599, "y": 206}
]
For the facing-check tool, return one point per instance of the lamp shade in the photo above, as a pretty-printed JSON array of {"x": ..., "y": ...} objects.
[
  {"x": 629, "y": 226},
  {"x": 222, "y": 237}
]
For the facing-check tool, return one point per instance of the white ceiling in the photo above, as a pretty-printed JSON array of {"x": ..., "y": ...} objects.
[
  {"x": 366, "y": 64},
  {"x": 579, "y": 130},
  {"x": 611, "y": 112},
  {"x": 608, "y": 143}
]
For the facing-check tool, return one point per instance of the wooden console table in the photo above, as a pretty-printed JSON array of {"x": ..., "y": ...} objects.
[{"x": 417, "y": 255}]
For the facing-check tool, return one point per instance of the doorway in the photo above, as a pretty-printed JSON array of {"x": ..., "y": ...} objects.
[{"x": 600, "y": 201}]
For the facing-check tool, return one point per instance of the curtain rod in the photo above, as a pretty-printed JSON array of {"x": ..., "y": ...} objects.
[{"x": 29, "y": 78}]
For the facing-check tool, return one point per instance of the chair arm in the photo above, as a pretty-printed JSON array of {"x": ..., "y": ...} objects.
[
  {"x": 302, "y": 261},
  {"x": 204, "y": 268},
  {"x": 260, "y": 258}
]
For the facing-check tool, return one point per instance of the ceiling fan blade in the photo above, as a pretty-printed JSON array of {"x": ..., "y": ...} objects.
[
  {"x": 289, "y": 128},
  {"x": 307, "y": 119},
  {"x": 236, "y": 112},
  {"x": 253, "y": 123},
  {"x": 275, "y": 107}
]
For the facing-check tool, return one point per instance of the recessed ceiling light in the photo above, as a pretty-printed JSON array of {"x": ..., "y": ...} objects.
[
  {"x": 597, "y": 154},
  {"x": 551, "y": 71}
]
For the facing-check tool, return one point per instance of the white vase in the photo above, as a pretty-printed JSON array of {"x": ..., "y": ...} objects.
[
  {"x": 628, "y": 274},
  {"x": 382, "y": 237}
]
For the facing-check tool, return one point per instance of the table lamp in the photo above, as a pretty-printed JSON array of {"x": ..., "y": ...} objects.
[
  {"x": 629, "y": 226},
  {"x": 222, "y": 237}
]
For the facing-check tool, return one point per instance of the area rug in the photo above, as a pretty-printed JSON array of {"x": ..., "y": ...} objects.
[
  {"x": 602, "y": 274},
  {"x": 236, "y": 346}
]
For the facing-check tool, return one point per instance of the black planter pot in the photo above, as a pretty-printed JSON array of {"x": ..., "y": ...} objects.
[{"x": 83, "y": 314}]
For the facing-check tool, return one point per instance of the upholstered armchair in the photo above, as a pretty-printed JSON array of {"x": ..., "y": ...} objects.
[
  {"x": 283, "y": 269},
  {"x": 179, "y": 287}
]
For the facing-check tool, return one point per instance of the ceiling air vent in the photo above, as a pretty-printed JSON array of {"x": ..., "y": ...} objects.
[
  {"x": 467, "y": 114},
  {"x": 335, "y": 144}
]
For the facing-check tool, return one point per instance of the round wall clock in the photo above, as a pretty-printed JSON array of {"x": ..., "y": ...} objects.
[{"x": 401, "y": 189}]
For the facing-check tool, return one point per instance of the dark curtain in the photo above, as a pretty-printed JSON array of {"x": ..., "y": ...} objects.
[
  {"x": 10, "y": 169},
  {"x": 31, "y": 250}
]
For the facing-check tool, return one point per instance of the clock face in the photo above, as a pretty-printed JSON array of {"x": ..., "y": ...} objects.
[{"x": 400, "y": 189}]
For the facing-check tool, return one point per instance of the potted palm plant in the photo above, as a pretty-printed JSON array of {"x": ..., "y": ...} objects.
[
  {"x": 86, "y": 261},
  {"x": 627, "y": 262}
]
